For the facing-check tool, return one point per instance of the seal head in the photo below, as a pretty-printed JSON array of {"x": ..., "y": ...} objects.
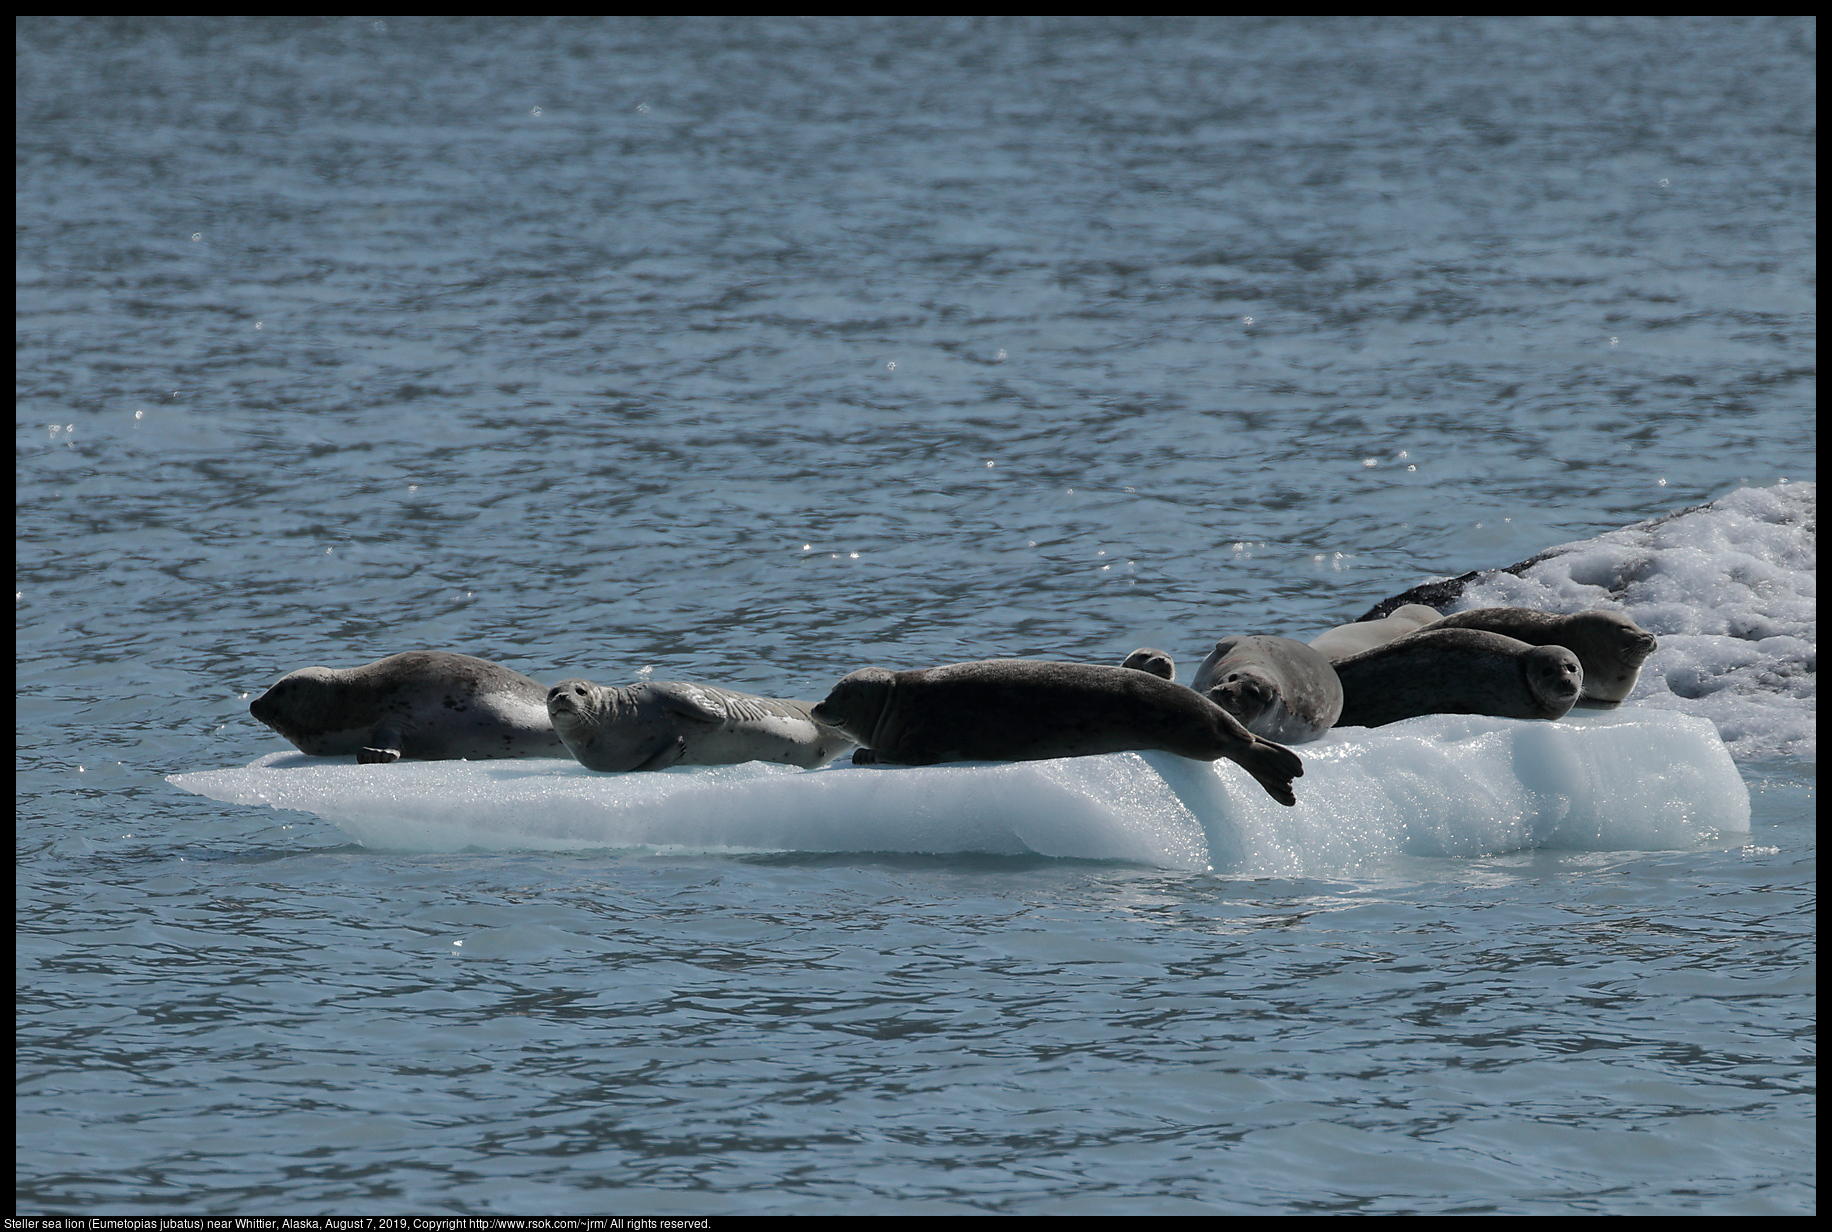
[
  {"x": 1158, "y": 663},
  {"x": 1277, "y": 687}
]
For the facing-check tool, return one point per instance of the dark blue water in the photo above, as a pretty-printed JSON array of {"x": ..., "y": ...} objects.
[{"x": 757, "y": 351}]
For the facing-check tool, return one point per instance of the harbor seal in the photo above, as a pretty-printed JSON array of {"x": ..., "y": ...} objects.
[
  {"x": 1277, "y": 687},
  {"x": 1345, "y": 640},
  {"x": 1611, "y": 647},
  {"x": 1025, "y": 710},
  {"x": 1457, "y": 671},
  {"x": 1159, "y": 664},
  {"x": 677, "y": 723},
  {"x": 425, "y": 705}
]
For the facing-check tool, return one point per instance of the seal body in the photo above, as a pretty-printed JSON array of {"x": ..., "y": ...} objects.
[
  {"x": 1024, "y": 710},
  {"x": 1345, "y": 640},
  {"x": 1277, "y": 687},
  {"x": 1611, "y": 647},
  {"x": 1158, "y": 663},
  {"x": 677, "y": 723},
  {"x": 1457, "y": 671},
  {"x": 427, "y": 705}
]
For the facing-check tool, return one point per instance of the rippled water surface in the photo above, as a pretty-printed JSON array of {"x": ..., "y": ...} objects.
[{"x": 755, "y": 352}]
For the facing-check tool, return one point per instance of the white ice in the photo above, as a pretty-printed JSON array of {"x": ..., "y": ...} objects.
[
  {"x": 1446, "y": 785},
  {"x": 1730, "y": 591}
]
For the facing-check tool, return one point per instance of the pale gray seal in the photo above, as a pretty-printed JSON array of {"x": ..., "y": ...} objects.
[
  {"x": 678, "y": 723},
  {"x": 1159, "y": 664},
  {"x": 1345, "y": 640},
  {"x": 426, "y": 705},
  {"x": 1277, "y": 687},
  {"x": 1024, "y": 710},
  {"x": 1457, "y": 671},
  {"x": 1611, "y": 647}
]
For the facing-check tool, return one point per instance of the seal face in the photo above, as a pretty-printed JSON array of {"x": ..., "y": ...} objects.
[
  {"x": 1024, "y": 710},
  {"x": 1611, "y": 647},
  {"x": 428, "y": 705},
  {"x": 1353, "y": 639},
  {"x": 1457, "y": 671},
  {"x": 1158, "y": 663},
  {"x": 1277, "y": 687},
  {"x": 673, "y": 723}
]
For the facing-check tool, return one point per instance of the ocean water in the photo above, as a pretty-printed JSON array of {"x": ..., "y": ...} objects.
[{"x": 755, "y": 352}]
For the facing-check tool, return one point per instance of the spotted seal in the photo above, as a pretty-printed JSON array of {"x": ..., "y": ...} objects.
[
  {"x": 1457, "y": 671},
  {"x": 1611, "y": 647},
  {"x": 1025, "y": 710},
  {"x": 1345, "y": 640},
  {"x": 1277, "y": 687},
  {"x": 1159, "y": 664},
  {"x": 425, "y": 705},
  {"x": 653, "y": 726}
]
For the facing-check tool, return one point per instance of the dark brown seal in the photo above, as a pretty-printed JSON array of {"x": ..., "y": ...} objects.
[
  {"x": 1024, "y": 710},
  {"x": 1611, "y": 647},
  {"x": 1457, "y": 671}
]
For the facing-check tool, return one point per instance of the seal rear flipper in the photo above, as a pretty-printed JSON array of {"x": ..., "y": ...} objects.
[{"x": 1273, "y": 766}]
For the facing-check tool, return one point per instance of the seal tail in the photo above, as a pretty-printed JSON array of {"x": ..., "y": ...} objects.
[{"x": 1273, "y": 766}]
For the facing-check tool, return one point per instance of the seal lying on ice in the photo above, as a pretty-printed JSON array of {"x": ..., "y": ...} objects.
[
  {"x": 1457, "y": 671},
  {"x": 1278, "y": 688},
  {"x": 427, "y": 705},
  {"x": 1024, "y": 710},
  {"x": 1611, "y": 647},
  {"x": 1345, "y": 640},
  {"x": 675, "y": 723}
]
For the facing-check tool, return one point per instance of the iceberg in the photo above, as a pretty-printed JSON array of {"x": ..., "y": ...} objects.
[{"x": 1442, "y": 785}]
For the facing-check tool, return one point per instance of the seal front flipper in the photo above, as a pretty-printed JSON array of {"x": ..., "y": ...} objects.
[
  {"x": 385, "y": 745},
  {"x": 873, "y": 757},
  {"x": 669, "y": 754},
  {"x": 690, "y": 702}
]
